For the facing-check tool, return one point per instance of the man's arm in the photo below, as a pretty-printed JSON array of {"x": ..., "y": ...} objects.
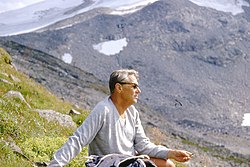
[
  {"x": 143, "y": 145},
  {"x": 179, "y": 155},
  {"x": 81, "y": 137}
]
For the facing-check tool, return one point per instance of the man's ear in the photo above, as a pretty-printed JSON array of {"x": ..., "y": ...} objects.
[{"x": 118, "y": 87}]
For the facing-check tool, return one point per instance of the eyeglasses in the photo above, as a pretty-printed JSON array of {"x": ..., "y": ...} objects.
[{"x": 134, "y": 85}]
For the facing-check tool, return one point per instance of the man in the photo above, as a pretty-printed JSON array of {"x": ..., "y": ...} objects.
[{"x": 114, "y": 126}]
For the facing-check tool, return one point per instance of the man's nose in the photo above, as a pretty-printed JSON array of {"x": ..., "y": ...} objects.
[{"x": 138, "y": 90}]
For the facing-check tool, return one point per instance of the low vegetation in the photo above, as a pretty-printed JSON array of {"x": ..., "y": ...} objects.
[{"x": 25, "y": 137}]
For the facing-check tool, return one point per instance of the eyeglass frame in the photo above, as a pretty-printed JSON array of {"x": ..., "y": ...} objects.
[{"x": 135, "y": 86}]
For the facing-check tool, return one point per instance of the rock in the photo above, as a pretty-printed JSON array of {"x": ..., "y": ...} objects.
[
  {"x": 62, "y": 119},
  {"x": 5, "y": 74},
  {"x": 17, "y": 94},
  {"x": 15, "y": 79},
  {"x": 41, "y": 164},
  {"x": 15, "y": 148},
  {"x": 6, "y": 81},
  {"x": 74, "y": 112}
]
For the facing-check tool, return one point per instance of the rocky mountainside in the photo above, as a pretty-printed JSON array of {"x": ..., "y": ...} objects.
[
  {"x": 67, "y": 82},
  {"x": 193, "y": 63}
]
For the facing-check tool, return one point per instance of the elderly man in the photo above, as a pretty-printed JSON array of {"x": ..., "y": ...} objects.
[{"x": 114, "y": 126}]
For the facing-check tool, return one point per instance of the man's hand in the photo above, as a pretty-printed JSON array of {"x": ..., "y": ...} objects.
[{"x": 180, "y": 155}]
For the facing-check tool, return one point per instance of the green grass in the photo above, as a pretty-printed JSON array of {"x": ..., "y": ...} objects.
[{"x": 37, "y": 138}]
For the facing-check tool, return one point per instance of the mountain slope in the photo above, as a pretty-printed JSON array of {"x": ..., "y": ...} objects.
[
  {"x": 206, "y": 155},
  {"x": 47, "y": 70},
  {"x": 28, "y": 137}
]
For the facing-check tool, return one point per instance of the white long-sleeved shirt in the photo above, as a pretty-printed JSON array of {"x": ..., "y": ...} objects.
[{"x": 106, "y": 132}]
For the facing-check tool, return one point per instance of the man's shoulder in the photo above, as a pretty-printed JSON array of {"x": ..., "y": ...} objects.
[
  {"x": 105, "y": 104},
  {"x": 106, "y": 101},
  {"x": 133, "y": 111}
]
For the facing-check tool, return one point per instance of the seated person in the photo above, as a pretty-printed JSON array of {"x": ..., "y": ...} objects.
[{"x": 114, "y": 126}]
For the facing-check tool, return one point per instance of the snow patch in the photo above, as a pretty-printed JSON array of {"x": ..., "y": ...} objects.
[
  {"x": 233, "y": 6},
  {"x": 36, "y": 14},
  {"x": 30, "y": 15},
  {"x": 111, "y": 47},
  {"x": 246, "y": 120},
  {"x": 126, "y": 9},
  {"x": 67, "y": 58},
  {"x": 16, "y": 4}
]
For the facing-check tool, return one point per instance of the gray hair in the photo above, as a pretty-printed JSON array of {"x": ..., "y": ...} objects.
[{"x": 121, "y": 75}]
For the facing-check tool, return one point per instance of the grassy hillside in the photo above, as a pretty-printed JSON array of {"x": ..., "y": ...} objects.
[{"x": 26, "y": 137}]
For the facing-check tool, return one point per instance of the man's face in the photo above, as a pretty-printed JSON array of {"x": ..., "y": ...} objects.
[{"x": 130, "y": 90}]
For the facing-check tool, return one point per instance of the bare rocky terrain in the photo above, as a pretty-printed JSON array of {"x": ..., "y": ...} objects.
[{"x": 193, "y": 63}]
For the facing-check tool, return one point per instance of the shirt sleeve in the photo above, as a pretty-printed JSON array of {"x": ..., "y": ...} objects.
[
  {"x": 80, "y": 138},
  {"x": 144, "y": 146}
]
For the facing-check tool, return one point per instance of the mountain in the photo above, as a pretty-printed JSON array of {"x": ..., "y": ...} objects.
[{"x": 193, "y": 63}]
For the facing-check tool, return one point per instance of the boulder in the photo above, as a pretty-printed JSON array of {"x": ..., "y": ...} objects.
[{"x": 62, "y": 119}]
